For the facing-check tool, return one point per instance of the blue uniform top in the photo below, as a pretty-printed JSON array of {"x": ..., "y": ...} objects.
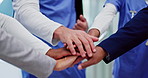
[
  {"x": 63, "y": 12},
  {"x": 133, "y": 64}
]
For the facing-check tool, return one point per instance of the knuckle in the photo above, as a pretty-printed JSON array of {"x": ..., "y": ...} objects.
[
  {"x": 86, "y": 43},
  {"x": 79, "y": 44}
]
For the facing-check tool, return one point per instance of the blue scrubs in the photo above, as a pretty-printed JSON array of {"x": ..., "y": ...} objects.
[
  {"x": 63, "y": 12},
  {"x": 133, "y": 64}
]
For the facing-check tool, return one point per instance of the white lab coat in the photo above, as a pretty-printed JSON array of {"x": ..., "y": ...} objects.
[
  {"x": 17, "y": 50},
  {"x": 28, "y": 14}
]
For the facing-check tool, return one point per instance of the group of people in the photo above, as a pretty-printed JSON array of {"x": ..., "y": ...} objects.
[{"x": 32, "y": 41}]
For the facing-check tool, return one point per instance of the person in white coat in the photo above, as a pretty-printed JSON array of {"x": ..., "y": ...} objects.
[{"x": 29, "y": 55}]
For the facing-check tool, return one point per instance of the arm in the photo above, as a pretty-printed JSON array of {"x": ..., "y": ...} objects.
[
  {"x": 101, "y": 22},
  {"x": 126, "y": 38},
  {"x": 13, "y": 27},
  {"x": 27, "y": 12},
  {"x": 20, "y": 55}
]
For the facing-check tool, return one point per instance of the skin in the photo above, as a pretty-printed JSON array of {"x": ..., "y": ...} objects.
[
  {"x": 81, "y": 39},
  {"x": 83, "y": 25},
  {"x": 64, "y": 63},
  {"x": 64, "y": 58},
  {"x": 96, "y": 58},
  {"x": 99, "y": 54},
  {"x": 58, "y": 53}
]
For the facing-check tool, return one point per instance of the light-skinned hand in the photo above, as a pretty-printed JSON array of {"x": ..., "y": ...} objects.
[
  {"x": 81, "y": 39},
  {"x": 81, "y": 24}
]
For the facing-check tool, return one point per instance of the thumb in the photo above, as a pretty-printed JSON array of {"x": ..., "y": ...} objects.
[{"x": 85, "y": 64}]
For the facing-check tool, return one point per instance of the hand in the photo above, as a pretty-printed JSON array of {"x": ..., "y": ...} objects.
[
  {"x": 96, "y": 58},
  {"x": 64, "y": 63},
  {"x": 81, "y": 24},
  {"x": 94, "y": 32},
  {"x": 77, "y": 37},
  {"x": 58, "y": 53}
]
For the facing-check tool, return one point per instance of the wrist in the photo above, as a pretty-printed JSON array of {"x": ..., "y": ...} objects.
[
  {"x": 49, "y": 52},
  {"x": 102, "y": 51},
  {"x": 58, "y": 32}
]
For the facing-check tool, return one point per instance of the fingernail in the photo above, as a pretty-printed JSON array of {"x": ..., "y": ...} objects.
[
  {"x": 80, "y": 67},
  {"x": 90, "y": 55},
  {"x": 94, "y": 50}
]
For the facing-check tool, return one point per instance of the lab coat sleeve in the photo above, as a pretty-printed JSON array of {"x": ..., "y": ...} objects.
[
  {"x": 15, "y": 52},
  {"x": 104, "y": 18},
  {"x": 128, "y": 37},
  {"x": 27, "y": 13},
  {"x": 13, "y": 27}
]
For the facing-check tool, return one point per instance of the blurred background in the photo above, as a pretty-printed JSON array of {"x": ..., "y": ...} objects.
[{"x": 91, "y": 9}]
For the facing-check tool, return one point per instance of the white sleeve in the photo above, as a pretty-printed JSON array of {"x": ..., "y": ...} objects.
[
  {"x": 104, "y": 18},
  {"x": 15, "y": 52},
  {"x": 27, "y": 13},
  {"x": 13, "y": 27}
]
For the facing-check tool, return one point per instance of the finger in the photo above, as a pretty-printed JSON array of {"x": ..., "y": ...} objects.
[
  {"x": 79, "y": 45},
  {"x": 71, "y": 47},
  {"x": 79, "y": 59},
  {"x": 78, "y": 54},
  {"x": 86, "y": 45},
  {"x": 80, "y": 23},
  {"x": 82, "y": 18},
  {"x": 68, "y": 47},
  {"x": 91, "y": 43},
  {"x": 95, "y": 39},
  {"x": 65, "y": 45},
  {"x": 78, "y": 27},
  {"x": 85, "y": 64},
  {"x": 75, "y": 26}
]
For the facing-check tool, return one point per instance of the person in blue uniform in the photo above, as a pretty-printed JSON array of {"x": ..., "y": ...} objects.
[
  {"x": 132, "y": 64},
  {"x": 63, "y": 12}
]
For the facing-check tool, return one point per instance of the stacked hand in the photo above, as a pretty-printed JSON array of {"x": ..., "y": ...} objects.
[
  {"x": 99, "y": 54},
  {"x": 78, "y": 46},
  {"x": 63, "y": 57}
]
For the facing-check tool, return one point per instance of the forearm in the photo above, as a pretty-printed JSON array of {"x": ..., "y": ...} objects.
[
  {"x": 14, "y": 28},
  {"x": 104, "y": 18},
  {"x": 15, "y": 52},
  {"x": 126, "y": 38},
  {"x": 28, "y": 13}
]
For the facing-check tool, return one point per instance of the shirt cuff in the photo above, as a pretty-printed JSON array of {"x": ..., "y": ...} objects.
[
  {"x": 48, "y": 68},
  {"x": 50, "y": 36},
  {"x": 52, "y": 65}
]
